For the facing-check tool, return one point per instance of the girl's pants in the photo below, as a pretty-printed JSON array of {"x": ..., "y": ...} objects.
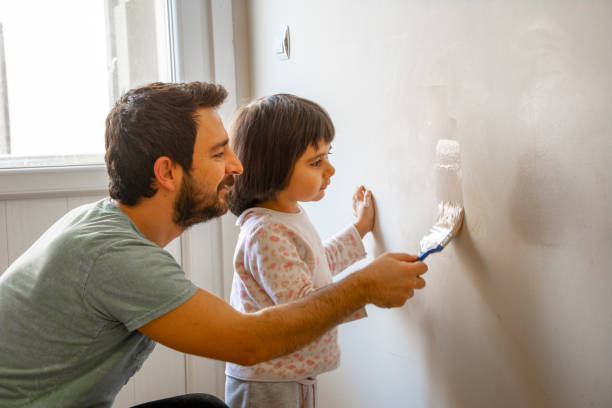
[{"x": 255, "y": 394}]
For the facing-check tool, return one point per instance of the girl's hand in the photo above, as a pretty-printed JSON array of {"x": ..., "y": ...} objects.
[{"x": 363, "y": 210}]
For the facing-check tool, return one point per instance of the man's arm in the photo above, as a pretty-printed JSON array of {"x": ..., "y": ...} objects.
[{"x": 207, "y": 326}]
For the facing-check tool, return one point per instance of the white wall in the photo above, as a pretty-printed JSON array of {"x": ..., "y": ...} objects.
[{"x": 517, "y": 311}]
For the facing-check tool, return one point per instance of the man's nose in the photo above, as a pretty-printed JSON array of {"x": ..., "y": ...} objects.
[{"x": 234, "y": 166}]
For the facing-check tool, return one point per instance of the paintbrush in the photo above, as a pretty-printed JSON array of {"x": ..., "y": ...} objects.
[{"x": 448, "y": 224}]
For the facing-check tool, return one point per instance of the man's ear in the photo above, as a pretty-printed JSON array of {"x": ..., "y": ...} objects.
[{"x": 167, "y": 173}]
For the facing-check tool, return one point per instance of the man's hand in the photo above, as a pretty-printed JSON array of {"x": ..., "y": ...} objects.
[
  {"x": 391, "y": 278},
  {"x": 363, "y": 210}
]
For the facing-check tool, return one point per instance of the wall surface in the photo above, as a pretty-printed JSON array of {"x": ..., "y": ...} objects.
[{"x": 517, "y": 311}]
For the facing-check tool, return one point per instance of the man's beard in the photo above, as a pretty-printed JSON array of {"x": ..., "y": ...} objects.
[{"x": 193, "y": 206}]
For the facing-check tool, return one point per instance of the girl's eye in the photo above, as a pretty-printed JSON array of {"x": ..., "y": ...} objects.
[
  {"x": 316, "y": 163},
  {"x": 219, "y": 154}
]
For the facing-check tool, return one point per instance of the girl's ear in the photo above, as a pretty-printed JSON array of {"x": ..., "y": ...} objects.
[{"x": 167, "y": 173}]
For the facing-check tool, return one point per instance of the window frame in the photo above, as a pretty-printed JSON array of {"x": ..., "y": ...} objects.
[
  {"x": 70, "y": 179},
  {"x": 61, "y": 181},
  {"x": 200, "y": 33}
]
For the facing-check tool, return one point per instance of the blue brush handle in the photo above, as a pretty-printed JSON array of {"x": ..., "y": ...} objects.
[{"x": 431, "y": 251}]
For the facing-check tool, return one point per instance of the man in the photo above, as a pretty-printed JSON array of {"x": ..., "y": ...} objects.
[{"x": 83, "y": 307}]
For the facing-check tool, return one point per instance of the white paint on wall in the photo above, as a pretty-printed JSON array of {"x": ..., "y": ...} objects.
[
  {"x": 517, "y": 309},
  {"x": 448, "y": 155},
  {"x": 448, "y": 172}
]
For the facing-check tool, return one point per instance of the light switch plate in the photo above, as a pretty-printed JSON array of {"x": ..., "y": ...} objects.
[{"x": 281, "y": 44}]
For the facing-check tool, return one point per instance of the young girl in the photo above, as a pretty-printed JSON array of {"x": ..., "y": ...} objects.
[{"x": 283, "y": 142}]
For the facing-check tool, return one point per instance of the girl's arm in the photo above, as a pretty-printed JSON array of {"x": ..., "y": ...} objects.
[{"x": 346, "y": 248}]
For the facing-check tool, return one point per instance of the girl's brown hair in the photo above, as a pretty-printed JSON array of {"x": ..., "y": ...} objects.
[{"x": 269, "y": 135}]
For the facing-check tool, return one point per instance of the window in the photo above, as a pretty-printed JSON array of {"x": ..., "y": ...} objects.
[{"x": 63, "y": 65}]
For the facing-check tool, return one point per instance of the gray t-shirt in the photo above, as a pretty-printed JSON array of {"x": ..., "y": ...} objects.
[{"x": 71, "y": 305}]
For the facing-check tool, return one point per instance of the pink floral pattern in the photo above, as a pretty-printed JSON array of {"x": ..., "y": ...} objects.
[{"x": 275, "y": 263}]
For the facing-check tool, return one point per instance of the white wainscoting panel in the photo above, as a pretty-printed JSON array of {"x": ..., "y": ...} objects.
[
  {"x": 27, "y": 219},
  {"x": 127, "y": 395},
  {"x": 174, "y": 247},
  {"x": 74, "y": 202},
  {"x": 3, "y": 239},
  {"x": 161, "y": 376},
  {"x": 202, "y": 250}
]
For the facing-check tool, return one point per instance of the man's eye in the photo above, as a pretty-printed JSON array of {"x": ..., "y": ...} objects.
[{"x": 219, "y": 154}]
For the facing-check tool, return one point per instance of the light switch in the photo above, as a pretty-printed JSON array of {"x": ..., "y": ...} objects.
[{"x": 281, "y": 44}]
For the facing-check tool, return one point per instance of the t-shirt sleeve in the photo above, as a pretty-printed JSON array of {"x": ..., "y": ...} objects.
[{"x": 135, "y": 283}]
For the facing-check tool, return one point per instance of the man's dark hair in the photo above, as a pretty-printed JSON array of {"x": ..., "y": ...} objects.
[
  {"x": 150, "y": 122},
  {"x": 269, "y": 135}
]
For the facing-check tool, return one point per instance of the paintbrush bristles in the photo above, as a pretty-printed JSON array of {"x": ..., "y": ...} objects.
[
  {"x": 448, "y": 223},
  {"x": 450, "y": 215}
]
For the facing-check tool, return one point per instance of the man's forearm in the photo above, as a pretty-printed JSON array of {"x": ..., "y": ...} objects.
[
  {"x": 284, "y": 328},
  {"x": 207, "y": 326}
]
